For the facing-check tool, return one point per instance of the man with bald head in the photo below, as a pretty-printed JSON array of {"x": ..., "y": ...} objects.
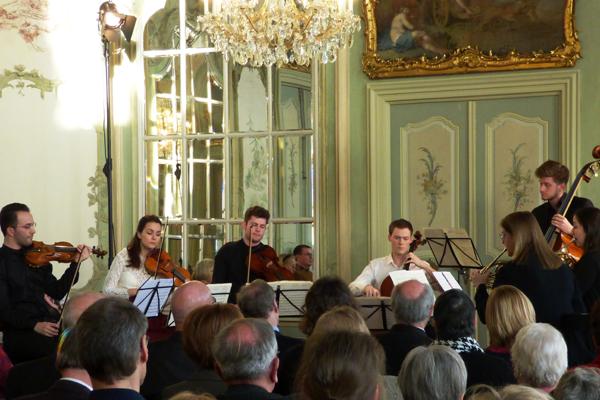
[
  {"x": 412, "y": 303},
  {"x": 19, "y": 382},
  {"x": 168, "y": 363},
  {"x": 245, "y": 352}
]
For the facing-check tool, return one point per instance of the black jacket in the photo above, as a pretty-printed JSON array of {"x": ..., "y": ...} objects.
[{"x": 398, "y": 342}]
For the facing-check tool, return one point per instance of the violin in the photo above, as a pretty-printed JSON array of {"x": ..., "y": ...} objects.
[
  {"x": 63, "y": 252},
  {"x": 165, "y": 267},
  {"x": 388, "y": 285},
  {"x": 264, "y": 262}
]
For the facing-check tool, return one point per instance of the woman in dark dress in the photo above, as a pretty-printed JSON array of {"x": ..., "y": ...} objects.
[
  {"x": 542, "y": 276},
  {"x": 586, "y": 232}
]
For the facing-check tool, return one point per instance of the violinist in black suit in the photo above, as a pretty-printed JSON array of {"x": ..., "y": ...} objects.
[{"x": 553, "y": 177}]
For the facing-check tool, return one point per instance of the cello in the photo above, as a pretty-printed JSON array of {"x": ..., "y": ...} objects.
[
  {"x": 388, "y": 285},
  {"x": 563, "y": 243}
]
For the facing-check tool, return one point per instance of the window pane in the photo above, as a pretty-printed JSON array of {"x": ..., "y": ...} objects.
[
  {"x": 206, "y": 194},
  {"x": 294, "y": 182},
  {"x": 163, "y": 186},
  {"x": 204, "y": 241},
  {"x": 288, "y": 236},
  {"x": 249, "y": 174},
  {"x": 292, "y": 104},
  {"x": 248, "y": 99},
  {"x": 173, "y": 243},
  {"x": 205, "y": 93},
  {"x": 162, "y": 30},
  {"x": 163, "y": 108}
]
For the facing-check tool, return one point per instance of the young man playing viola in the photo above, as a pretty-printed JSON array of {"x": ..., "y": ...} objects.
[
  {"x": 400, "y": 237},
  {"x": 26, "y": 316},
  {"x": 230, "y": 262},
  {"x": 553, "y": 177}
]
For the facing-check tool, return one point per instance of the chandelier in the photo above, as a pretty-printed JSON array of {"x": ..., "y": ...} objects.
[{"x": 280, "y": 32}]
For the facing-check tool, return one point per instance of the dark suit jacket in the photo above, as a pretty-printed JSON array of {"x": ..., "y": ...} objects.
[
  {"x": 62, "y": 390},
  {"x": 587, "y": 272},
  {"x": 247, "y": 392},
  {"x": 286, "y": 342},
  {"x": 544, "y": 213},
  {"x": 398, "y": 342},
  {"x": 289, "y": 362},
  {"x": 114, "y": 394},
  {"x": 20, "y": 383},
  {"x": 490, "y": 370},
  {"x": 167, "y": 364},
  {"x": 201, "y": 381}
]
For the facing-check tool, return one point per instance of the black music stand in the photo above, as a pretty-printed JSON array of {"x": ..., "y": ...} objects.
[
  {"x": 453, "y": 248},
  {"x": 290, "y": 296},
  {"x": 152, "y": 296}
]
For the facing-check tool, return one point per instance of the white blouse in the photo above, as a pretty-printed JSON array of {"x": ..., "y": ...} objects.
[{"x": 122, "y": 277}]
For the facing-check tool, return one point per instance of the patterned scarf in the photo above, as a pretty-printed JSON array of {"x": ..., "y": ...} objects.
[{"x": 461, "y": 345}]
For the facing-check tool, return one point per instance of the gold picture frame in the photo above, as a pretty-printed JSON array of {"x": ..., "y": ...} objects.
[{"x": 468, "y": 58}]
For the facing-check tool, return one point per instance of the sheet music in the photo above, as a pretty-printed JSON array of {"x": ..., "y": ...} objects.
[
  {"x": 454, "y": 250},
  {"x": 370, "y": 309},
  {"x": 446, "y": 280},
  {"x": 292, "y": 296},
  {"x": 220, "y": 291},
  {"x": 152, "y": 295},
  {"x": 399, "y": 277}
]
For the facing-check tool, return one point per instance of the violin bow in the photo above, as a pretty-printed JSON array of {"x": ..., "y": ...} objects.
[
  {"x": 249, "y": 256},
  {"x": 162, "y": 243},
  {"x": 71, "y": 287}
]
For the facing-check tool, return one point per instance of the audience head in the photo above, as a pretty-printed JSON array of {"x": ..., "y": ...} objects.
[
  {"x": 433, "y": 373},
  {"x": 111, "y": 342},
  {"x": 303, "y": 255},
  {"x": 454, "y": 315},
  {"x": 246, "y": 352},
  {"x": 76, "y": 305},
  {"x": 203, "y": 271},
  {"x": 400, "y": 224},
  {"x": 66, "y": 356},
  {"x": 330, "y": 371},
  {"x": 578, "y": 384},
  {"x": 507, "y": 311},
  {"x": 288, "y": 261},
  {"x": 588, "y": 220},
  {"x": 326, "y": 293},
  {"x": 257, "y": 300},
  {"x": 200, "y": 329},
  {"x": 523, "y": 237},
  {"x": 9, "y": 216},
  {"x": 509, "y": 392},
  {"x": 192, "y": 396},
  {"x": 412, "y": 303},
  {"x": 539, "y": 356},
  {"x": 341, "y": 318},
  {"x": 187, "y": 297}
]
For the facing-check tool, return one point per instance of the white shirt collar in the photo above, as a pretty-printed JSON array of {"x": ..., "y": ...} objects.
[{"x": 78, "y": 381}]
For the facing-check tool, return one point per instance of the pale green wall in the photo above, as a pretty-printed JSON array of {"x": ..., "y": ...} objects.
[{"x": 589, "y": 66}]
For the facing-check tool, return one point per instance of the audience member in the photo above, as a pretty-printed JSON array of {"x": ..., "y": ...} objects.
[
  {"x": 112, "y": 347},
  {"x": 433, "y": 373},
  {"x": 539, "y": 356},
  {"x": 412, "y": 303},
  {"x": 199, "y": 331},
  {"x": 257, "y": 300},
  {"x": 288, "y": 262},
  {"x": 19, "y": 381},
  {"x": 330, "y": 371},
  {"x": 192, "y": 396},
  {"x": 454, "y": 318},
  {"x": 75, "y": 383},
  {"x": 304, "y": 261},
  {"x": 595, "y": 325},
  {"x": 245, "y": 352},
  {"x": 509, "y": 392},
  {"x": 168, "y": 363},
  {"x": 341, "y": 318},
  {"x": 578, "y": 384},
  {"x": 203, "y": 271},
  {"x": 325, "y": 294},
  {"x": 508, "y": 310}
]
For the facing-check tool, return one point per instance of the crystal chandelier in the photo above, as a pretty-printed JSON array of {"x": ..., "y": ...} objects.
[{"x": 280, "y": 32}]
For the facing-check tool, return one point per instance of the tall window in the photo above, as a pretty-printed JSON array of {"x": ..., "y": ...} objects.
[{"x": 219, "y": 138}]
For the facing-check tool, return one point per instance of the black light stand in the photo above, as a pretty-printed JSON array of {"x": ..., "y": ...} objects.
[{"x": 108, "y": 151}]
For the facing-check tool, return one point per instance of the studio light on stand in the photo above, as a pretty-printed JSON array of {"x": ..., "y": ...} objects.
[{"x": 113, "y": 27}]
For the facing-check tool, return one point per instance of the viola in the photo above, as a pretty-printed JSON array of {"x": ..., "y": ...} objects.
[
  {"x": 63, "y": 252},
  {"x": 166, "y": 267},
  {"x": 264, "y": 262},
  {"x": 388, "y": 285}
]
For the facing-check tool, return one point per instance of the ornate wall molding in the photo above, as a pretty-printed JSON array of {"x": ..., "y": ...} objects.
[{"x": 20, "y": 76}]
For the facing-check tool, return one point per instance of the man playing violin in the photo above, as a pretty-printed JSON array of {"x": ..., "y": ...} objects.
[
  {"x": 400, "y": 237},
  {"x": 553, "y": 177},
  {"x": 231, "y": 259},
  {"x": 26, "y": 316}
]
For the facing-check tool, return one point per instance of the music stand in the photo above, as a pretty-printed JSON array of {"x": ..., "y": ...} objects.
[
  {"x": 220, "y": 291},
  {"x": 152, "y": 296},
  {"x": 453, "y": 248},
  {"x": 290, "y": 296},
  {"x": 377, "y": 312}
]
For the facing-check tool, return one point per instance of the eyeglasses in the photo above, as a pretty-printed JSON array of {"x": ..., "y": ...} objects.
[
  {"x": 27, "y": 227},
  {"x": 502, "y": 236}
]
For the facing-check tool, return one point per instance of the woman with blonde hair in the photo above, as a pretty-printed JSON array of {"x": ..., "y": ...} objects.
[
  {"x": 541, "y": 275},
  {"x": 508, "y": 310}
]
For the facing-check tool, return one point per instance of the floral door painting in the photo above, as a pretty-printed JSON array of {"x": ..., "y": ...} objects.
[{"x": 429, "y": 168}]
